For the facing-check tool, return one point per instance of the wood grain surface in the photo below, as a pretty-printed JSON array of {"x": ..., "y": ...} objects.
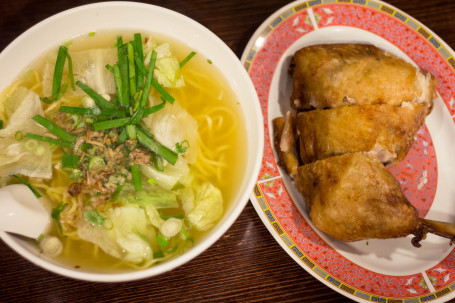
[{"x": 246, "y": 264}]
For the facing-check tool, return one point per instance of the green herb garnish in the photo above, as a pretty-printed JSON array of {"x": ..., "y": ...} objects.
[
  {"x": 58, "y": 71},
  {"x": 187, "y": 58},
  {"x": 23, "y": 181},
  {"x": 55, "y": 214}
]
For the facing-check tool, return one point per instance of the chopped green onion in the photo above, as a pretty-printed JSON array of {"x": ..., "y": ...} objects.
[
  {"x": 91, "y": 34},
  {"x": 53, "y": 128},
  {"x": 151, "y": 181},
  {"x": 122, "y": 136},
  {"x": 56, "y": 215},
  {"x": 58, "y": 71},
  {"x": 76, "y": 110},
  {"x": 40, "y": 237},
  {"x": 47, "y": 100},
  {"x": 209, "y": 61},
  {"x": 162, "y": 241},
  {"x": 99, "y": 100},
  {"x": 109, "y": 68},
  {"x": 149, "y": 78},
  {"x": 131, "y": 131},
  {"x": 187, "y": 58},
  {"x": 136, "y": 118},
  {"x": 158, "y": 255},
  {"x": 118, "y": 82},
  {"x": 157, "y": 161},
  {"x": 19, "y": 135},
  {"x": 182, "y": 147},
  {"x": 162, "y": 91},
  {"x": 136, "y": 174},
  {"x": 131, "y": 69},
  {"x": 23, "y": 181},
  {"x": 62, "y": 90},
  {"x": 153, "y": 109},
  {"x": 70, "y": 161},
  {"x": 49, "y": 140},
  {"x": 117, "y": 192},
  {"x": 140, "y": 66},
  {"x": 122, "y": 52},
  {"x": 31, "y": 145},
  {"x": 184, "y": 234},
  {"x": 92, "y": 216},
  {"x": 96, "y": 164},
  {"x": 156, "y": 147},
  {"x": 139, "y": 56},
  {"x": 110, "y": 124},
  {"x": 75, "y": 175},
  {"x": 1, "y": 124},
  {"x": 70, "y": 70}
]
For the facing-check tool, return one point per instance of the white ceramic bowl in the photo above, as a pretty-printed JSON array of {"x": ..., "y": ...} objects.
[{"x": 136, "y": 16}]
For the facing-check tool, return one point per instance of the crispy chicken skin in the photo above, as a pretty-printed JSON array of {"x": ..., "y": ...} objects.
[
  {"x": 384, "y": 130},
  {"x": 354, "y": 197},
  {"x": 284, "y": 138},
  {"x": 334, "y": 75}
]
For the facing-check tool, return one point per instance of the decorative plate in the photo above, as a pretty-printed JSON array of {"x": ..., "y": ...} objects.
[{"x": 374, "y": 270}]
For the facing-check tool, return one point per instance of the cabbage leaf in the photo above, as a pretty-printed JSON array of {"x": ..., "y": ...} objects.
[
  {"x": 130, "y": 236},
  {"x": 89, "y": 67},
  {"x": 172, "y": 125},
  {"x": 15, "y": 158},
  {"x": 208, "y": 207}
]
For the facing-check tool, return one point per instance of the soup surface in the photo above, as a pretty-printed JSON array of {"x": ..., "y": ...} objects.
[{"x": 143, "y": 177}]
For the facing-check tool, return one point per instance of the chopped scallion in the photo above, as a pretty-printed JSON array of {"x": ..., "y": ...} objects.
[
  {"x": 122, "y": 52},
  {"x": 55, "y": 214},
  {"x": 76, "y": 110},
  {"x": 23, "y": 181},
  {"x": 70, "y": 70},
  {"x": 162, "y": 91},
  {"x": 70, "y": 161},
  {"x": 99, "y": 100},
  {"x": 139, "y": 56},
  {"x": 58, "y": 71},
  {"x": 153, "y": 109},
  {"x": 49, "y": 140},
  {"x": 53, "y": 128},
  {"x": 136, "y": 175},
  {"x": 149, "y": 78},
  {"x": 131, "y": 69},
  {"x": 187, "y": 58},
  {"x": 161, "y": 150},
  {"x": 108, "y": 124}
]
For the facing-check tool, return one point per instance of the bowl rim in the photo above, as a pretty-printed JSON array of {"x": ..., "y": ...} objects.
[{"x": 210, "y": 239}]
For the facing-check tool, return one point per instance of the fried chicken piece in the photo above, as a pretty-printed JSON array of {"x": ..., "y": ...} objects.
[
  {"x": 354, "y": 197},
  {"x": 284, "y": 138},
  {"x": 384, "y": 130},
  {"x": 334, "y": 75}
]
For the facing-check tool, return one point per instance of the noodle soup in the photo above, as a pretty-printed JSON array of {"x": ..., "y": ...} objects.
[{"x": 117, "y": 203}]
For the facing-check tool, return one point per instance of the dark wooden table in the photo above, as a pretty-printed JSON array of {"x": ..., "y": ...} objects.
[{"x": 246, "y": 264}]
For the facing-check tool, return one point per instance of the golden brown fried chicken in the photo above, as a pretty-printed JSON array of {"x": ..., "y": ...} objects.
[
  {"x": 354, "y": 197},
  {"x": 384, "y": 130},
  {"x": 284, "y": 138},
  {"x": 334, "y": 75}
]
